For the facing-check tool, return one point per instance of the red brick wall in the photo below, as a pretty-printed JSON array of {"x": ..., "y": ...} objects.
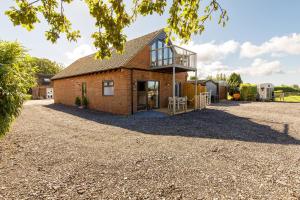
[
  {"x": 66, "y": 90},
  {"x": 141, "y": 60},
  {"x": 165, "y": 84},
  {"x": 40, "y": 92}
]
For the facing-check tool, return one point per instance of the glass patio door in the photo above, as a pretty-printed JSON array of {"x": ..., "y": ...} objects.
[{"x": 153, "y": 94}]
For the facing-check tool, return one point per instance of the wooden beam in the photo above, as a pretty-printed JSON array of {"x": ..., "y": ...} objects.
[
  {"x": 196, "y": 86},
  {"x": 174, "y": 82}
]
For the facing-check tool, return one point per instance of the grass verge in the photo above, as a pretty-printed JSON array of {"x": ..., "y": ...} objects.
[{"x": 294, "y": 99}]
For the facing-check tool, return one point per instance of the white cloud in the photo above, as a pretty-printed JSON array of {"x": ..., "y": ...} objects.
[
  {"x": 78, "y": 52},
  {"x": 209, "y": 56},
  {"x": 276, "y": 46},
  {"x": 212, "y": 69},
  {"x": 210, "y": 52},
  {"x": 261, "y": 67}
]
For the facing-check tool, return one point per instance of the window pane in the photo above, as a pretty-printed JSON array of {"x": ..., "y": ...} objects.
[
  {"x": 153, "y": 58},
  {"x": 166, "y": 56},
  {"x": 83, "y": 89},
  {"x": 111, "y": 83},
  {"x": 170, "y": 53},
  {"x": 151, "y": 85},
  {"x": 170, "y": 56},
  {"x": 153, "y": 94},
  {"x": 153, "y": 47},
  {"x": 166, "y": 52},
  {"x": 160, "y": 54},
  {"x": 160, "y": 44},
  {"x": 159, "y": 63},
  {"x": 108, "y": 91}
]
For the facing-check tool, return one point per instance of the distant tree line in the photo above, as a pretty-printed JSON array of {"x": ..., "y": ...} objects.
[
  {"x": 286, "y": 88},
  {"x": 218, "y": 77},
  {"x": 46, "y": 66}
]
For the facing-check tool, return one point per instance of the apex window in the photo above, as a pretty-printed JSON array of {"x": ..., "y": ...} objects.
[{"x": 161, "y": 54}]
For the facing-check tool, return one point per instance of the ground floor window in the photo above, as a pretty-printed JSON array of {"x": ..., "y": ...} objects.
[
  {"x": 178, "y": 89},
  {"x": 108, "y": 88},
  {"x": 83, "y": 89}
]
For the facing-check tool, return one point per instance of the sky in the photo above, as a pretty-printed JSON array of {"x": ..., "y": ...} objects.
[{"x": 261, "y": 40}]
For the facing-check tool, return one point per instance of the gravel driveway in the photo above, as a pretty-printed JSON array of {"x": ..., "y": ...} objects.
[{"x": 229, "y": 151}]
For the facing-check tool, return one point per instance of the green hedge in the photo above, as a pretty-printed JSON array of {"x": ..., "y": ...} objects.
[
  {"x": 286, "y": 89},
  {"x": 16, "y": 78},
  {"x": 248, "y": 92}
]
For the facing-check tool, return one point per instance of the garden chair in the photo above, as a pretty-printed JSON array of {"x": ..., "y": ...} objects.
[
  {"x": 182, "y": 101},
  {"x": 170, "y": 104}
]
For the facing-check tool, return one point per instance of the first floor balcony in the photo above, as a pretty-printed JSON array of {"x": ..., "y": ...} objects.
[{"x": 164, "y": 57}]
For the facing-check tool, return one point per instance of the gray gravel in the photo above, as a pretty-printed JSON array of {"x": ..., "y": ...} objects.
[{"x": 229, "y": 151}]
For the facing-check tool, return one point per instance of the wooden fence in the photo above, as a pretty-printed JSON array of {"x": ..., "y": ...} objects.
[
  {"x": 203, "y": 100},
  {"x": 188, "y": 90}
]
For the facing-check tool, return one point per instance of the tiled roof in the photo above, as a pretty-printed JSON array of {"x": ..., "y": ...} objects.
[{"x": 89, "y": 64}]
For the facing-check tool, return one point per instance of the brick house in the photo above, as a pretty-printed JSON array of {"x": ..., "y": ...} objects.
[
  {"x": 143, "y": 77},
  {"x": 44, "y": 87}
]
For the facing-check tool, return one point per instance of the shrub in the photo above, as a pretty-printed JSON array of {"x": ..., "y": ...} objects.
[
  {"x": 233, "y": 90},
  {"x": 27, "y": 97},
  {"x": 16, "y": 78},
  {"x": 77, "y": 101},
  {"x": 234, "y": 81},
  {"x": 248, "y": 92},
  {"x": 278, "y": 91},
  {"x": 85, "y": 102}
]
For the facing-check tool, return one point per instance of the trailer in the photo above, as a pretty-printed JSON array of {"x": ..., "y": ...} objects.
[{"x": 265, "y": 91}]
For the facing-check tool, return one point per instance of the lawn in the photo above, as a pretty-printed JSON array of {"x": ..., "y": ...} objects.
[{"x": 290, "y": 99}]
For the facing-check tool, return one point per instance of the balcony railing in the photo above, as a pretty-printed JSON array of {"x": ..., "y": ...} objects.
[{"x": 173, "y": 56}]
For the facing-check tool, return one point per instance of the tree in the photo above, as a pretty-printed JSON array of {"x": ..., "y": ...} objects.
[
  {"x": 193, "y": 78},
  {"x": 112, "y": 16},
  {"x": 221, "y": 77},
  {"x": 218, "y": 77},
  {"x": 16, "y": 77},
  {"x": 234, "y": 81},
  {"x": 296, "y": 86},
  {"x": 45, "y": 66},
  {"x": 209, "y": 77}
]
